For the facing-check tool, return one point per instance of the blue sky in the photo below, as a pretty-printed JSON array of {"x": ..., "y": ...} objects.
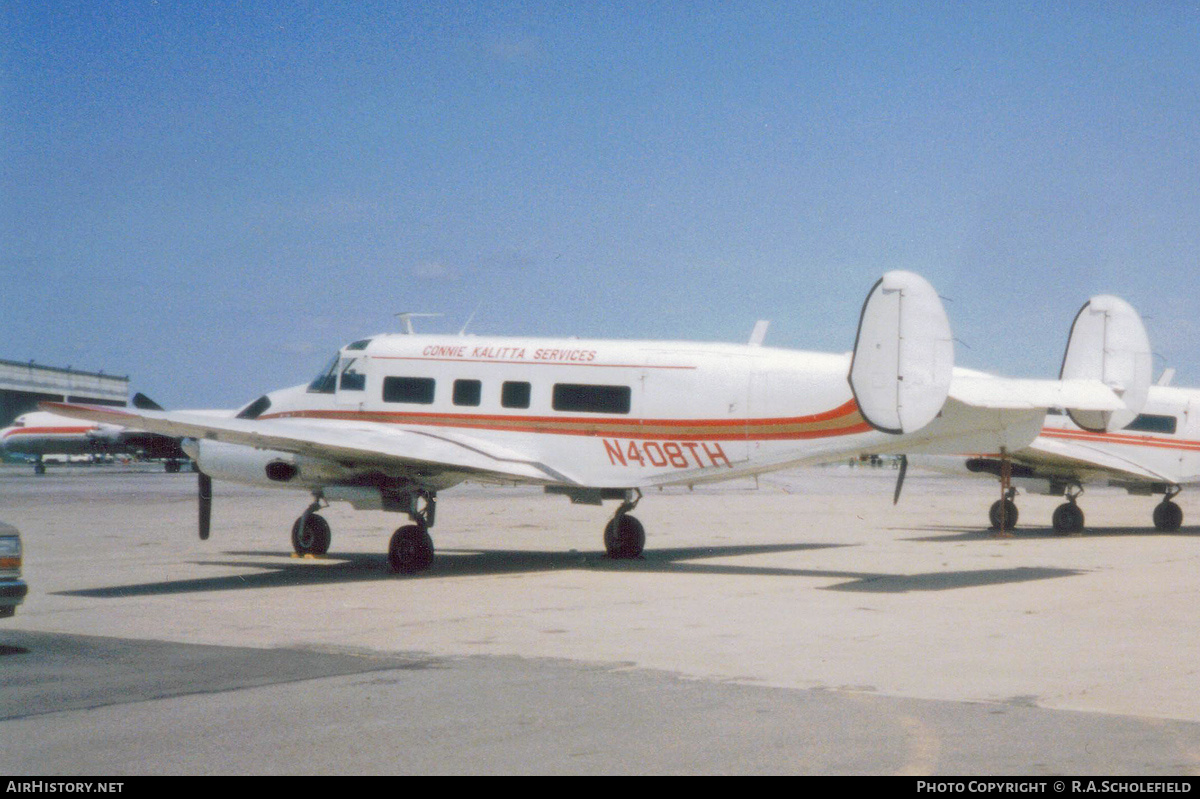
[{"x": 212, "y": 197}]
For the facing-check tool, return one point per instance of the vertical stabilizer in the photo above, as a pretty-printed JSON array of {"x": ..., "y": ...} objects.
[
  {"x": 1109, "y": 343},
  {"x": 903, "y": 355}
]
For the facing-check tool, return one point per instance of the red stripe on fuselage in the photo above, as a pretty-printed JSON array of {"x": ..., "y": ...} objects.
[
  {"x": 1125, "y": 439},
  {"x": 26, "y": 431},
  {"x": 820, "y": 425}
]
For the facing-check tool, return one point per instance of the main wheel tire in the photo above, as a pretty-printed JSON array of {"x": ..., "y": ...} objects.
[
  {"x": 1068, "y": 518},
  {"x": 1168, "y": 517},
  {"x": 624, "y": 537},
  {"x": 314, "y": 538},
  {"x": 410, "y": 550},
  {"x": 1010, "y": 520}
]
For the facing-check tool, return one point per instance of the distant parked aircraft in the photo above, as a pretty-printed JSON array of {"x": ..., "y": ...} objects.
[
  {"x": 1157, "y": 452},
  {"x": 39, "y": 433}
]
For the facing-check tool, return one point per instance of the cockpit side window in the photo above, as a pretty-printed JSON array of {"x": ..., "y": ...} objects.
[
  {"x": 350, "y": 379},
  {"x": 326, "y": 381}
]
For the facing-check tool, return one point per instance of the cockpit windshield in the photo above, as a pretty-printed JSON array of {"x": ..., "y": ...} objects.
[{"x": 326, "y": 381}]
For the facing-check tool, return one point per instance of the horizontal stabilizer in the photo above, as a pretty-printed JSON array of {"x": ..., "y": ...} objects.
[
  {"x": 1002, "y": 392},
  {"x": 1108, "y": 343},
  {"x": 903, "y": 355}
]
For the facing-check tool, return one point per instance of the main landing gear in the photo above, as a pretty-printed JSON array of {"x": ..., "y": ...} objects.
[
  {"x": 410, "y": 549},
  {"x": 1003, "y": 513},
  {"x": 1068, "y": 517},
  {"x": 310, "y": 533},
  {"x": 1168, "y": 517},
  {"x": 624, "y": 536}
]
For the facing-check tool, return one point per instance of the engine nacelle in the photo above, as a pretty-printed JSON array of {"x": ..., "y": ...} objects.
[{"x": 242, "y": 464}]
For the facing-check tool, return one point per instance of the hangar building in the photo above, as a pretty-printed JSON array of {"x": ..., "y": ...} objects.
[{"x": 24, "y": 385}]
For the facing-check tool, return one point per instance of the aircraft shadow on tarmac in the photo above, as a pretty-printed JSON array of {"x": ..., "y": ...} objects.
[
  {"x": 1028, "y": 533},
  {"x": 281, "y": 570}
]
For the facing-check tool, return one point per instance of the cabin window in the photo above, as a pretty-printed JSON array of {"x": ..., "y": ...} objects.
[
  {"x": 580, "y": 398},
  {"x": 1152, "y": 423},
  {"x": 416, "y": 390},
  {"x": 467, "y": 392},
  {"x": 514, "y": 395},
  {"x": 350, "y": 379},
  {"x": 359, "y": 345},
  {"x": 326, "y": 380}
]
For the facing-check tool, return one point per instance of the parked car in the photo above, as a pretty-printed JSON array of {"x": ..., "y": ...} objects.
[{"x": 12, "y": 587}]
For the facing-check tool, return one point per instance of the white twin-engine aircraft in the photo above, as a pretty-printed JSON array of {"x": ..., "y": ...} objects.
[
  {"x": 397, "y": 418},
  {"x": 1156, "y": 453}
]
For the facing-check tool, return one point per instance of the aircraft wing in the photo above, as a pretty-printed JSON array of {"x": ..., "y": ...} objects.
[
  {"x": 359, "y": 442},
  {"x": 1082, "y": 458}
]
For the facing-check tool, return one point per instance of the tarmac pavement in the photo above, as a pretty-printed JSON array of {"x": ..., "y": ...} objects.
[{"x": 806, "y": 626}]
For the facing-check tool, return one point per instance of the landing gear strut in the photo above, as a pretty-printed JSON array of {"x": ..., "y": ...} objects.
[
  {"x": 1168, "y": 517},
  {"x": 411, "y": 549},
  {"x": 624, "y": 536}
]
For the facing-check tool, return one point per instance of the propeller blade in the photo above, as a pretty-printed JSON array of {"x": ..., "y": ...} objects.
[
  {"x": 142, "y": 402},
  {"x": 900, "y": 478},
  {"x": 205, "y": 504}
]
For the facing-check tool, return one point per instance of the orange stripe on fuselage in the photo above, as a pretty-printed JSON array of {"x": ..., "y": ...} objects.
[
  {"x": 1121, "y": 438},
  {"x": 841, "y": 421}
]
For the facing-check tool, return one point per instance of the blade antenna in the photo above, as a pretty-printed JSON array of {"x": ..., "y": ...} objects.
[{"x": 463, "y": 332}]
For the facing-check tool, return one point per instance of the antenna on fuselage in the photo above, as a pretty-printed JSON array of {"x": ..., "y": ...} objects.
[
  {"x": 760, "y": 332},
  {"x": 463, "y": 332},
  {"x": 406, "y": 318}
]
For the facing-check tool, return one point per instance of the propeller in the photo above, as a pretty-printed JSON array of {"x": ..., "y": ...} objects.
[
  {"x": 900, "y": 478},
  {"x": 205, "y": 504}
]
